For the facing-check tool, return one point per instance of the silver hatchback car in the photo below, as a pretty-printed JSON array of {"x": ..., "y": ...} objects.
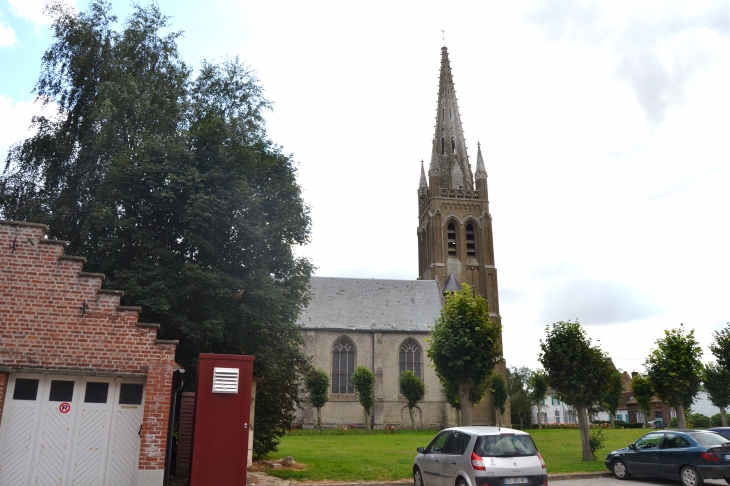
[{"x": 479, "y": 456}]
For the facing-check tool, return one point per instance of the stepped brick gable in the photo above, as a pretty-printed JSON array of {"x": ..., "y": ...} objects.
[{"x": 55, "y": 319}]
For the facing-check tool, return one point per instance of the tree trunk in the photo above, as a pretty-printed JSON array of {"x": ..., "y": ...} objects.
[
  {"x": 458, "y": 418},
  {"x": 681, "y": 419},
  {"x": 466, "y": 406},
  {"x": 319, "y": 418},
  {"x": 613, "y": 419},
  {"x": 499, "y": 416},
  {"x": 646, "y": 418},
  {"x": 367, "y": 419},
  {"x": 413, "y": 420},
  {"x": 723, "y": 417},
  {"x": 585, "y": 433},
  {"x": 539, "y": 416}
]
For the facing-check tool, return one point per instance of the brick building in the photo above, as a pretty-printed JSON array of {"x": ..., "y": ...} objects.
[{"x": 84, "y": 387}]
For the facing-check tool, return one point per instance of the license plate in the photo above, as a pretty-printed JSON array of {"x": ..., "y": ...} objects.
[
  {"x": 727, "y": 457},
  {"x": 515, "y": 481}
]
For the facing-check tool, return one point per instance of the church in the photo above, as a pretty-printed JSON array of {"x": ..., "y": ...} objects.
[{"x": 384, "y": 324}]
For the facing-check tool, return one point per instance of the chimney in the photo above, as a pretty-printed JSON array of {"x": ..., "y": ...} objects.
[{"x": 634, "y": 374}]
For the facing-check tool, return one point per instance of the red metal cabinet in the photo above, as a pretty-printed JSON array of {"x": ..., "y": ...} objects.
[{"x": 220, "y": 424}]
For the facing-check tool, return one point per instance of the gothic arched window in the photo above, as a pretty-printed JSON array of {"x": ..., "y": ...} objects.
[
  {"x": 453, "y": 145},
  {"x": 343, "y": 365},
  {"x": 409, "y": 357},
  {"x": 451, "y": 239},
  {"x": 442, "y": 145}
]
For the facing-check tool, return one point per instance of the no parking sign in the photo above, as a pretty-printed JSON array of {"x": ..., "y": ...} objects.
[{"x": 65, "y": 407}]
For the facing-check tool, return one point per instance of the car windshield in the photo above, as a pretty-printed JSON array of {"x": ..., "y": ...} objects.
[
  {"x": 709, "y": 438},
  {"x": 505, "y": 446}
]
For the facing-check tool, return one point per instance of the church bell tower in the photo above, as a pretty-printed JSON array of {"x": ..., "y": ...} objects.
[
  {"x": 455, "y": 227},
  {"x": 455, "y": 243}
]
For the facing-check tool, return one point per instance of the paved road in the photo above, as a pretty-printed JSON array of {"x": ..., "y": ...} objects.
[{"x": 611, "y": 481}]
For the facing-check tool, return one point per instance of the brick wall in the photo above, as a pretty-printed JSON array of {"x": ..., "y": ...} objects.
[{"x": 54, "y": 316}]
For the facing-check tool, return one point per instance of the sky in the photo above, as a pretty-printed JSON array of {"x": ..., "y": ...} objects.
[{"x": 604, "y": 128}]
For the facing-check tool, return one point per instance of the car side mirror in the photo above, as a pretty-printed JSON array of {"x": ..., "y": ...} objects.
[
  {"x": 632, "y": 447},
  {"x": 420, "y": 449}
]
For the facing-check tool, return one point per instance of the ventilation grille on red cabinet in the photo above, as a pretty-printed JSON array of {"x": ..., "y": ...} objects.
[{"x": 225, "y": 380}]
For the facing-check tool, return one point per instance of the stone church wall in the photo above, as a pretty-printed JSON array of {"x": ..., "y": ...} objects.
[{"x": 379, "y": 352}]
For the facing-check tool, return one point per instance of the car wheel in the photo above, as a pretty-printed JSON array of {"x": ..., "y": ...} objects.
[
  {"x": 417, "y": 479},
  {"x": 690, "y": 477},
  {"x": 461, "y": 482},
  {"x": 619, "y": 469}
]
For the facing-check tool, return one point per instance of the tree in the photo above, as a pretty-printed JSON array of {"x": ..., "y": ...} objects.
[
  {"x": 539, "y": 384},
  {"x": 167, "y": 183},
  {"x": 578, "y": 371},
  {"x": 364, "y": 381},
  {"x": 518, "y": 388},
  {"x": 717, "y": 385},
  {"x": 717, "y": 375},
  {"x": 414, "y": 389},
  {"x": 675, "y": 370},
  {"x": 499, "y": 391},
  {"x": 643, "y": 394},
  {"x": 317, "y": 382},
  {"x": 450, "y": 393},
  {"x": 465, "y": 346},
  {"x": 720, "y": 347},
  {"x": 614, "y": 392}
]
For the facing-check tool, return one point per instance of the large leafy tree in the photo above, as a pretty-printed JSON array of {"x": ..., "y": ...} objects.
[
  {"x": 317, "y": 382},
  {"x": 539, "y": 384},
  {"x": 518, "y": 387},
  {"x": 414, "y": 389},
  {"x": 614, "y": 392},
  {"x": 578, "y": 371},
  {"x": 465, "y": 346},
  {"x": 643, "y": 394},
  {"x": 168, "y": 184},
  {"x": 675, "y": 370},
  {"x": 717, "y": 385}
]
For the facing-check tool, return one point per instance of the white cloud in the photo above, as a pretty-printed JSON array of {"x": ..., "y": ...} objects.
[
  {"x": 15, "y": 120},
  {"x": 7, "y": 36},
  {"x": 31, "y": 10}
]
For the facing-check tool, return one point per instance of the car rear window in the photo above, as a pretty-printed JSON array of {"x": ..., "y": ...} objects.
[
  {"x": 709, "y": 438},
  {"x": 505, "y": 446}
]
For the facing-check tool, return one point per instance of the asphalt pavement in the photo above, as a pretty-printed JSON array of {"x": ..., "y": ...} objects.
[{"x": 635, "y": 481}]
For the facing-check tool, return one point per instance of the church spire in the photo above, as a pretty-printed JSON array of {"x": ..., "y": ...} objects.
[
  {"x": 450, "y": 145},
  {"x": 423, "y": 184},
  {"x": 481, "y": 172}
]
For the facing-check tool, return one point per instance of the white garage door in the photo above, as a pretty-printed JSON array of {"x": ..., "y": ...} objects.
[{"x": 64, "y": 430}]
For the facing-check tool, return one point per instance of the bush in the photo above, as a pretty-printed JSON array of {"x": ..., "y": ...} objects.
[
  {"x": 673, "y": 423},
  {"x": 716, "y": 420},
  {"x": 597, "y": 440},
  {"x": 630, "y": 425},
  {"x": 698, "y": 420}
]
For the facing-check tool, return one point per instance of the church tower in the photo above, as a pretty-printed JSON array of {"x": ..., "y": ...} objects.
[{"x": 454, "y": 225}]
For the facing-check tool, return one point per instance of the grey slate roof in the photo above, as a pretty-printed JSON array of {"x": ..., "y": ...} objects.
[{"x": 368, "y": 304}]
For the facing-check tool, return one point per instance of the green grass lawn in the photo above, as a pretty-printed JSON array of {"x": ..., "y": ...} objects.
[{"x": 357, "y": 456}]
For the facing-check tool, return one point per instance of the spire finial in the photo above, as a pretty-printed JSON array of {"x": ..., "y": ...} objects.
[
  {"x": 423, "y": 184},
  {"x": 443, "y": 36}
]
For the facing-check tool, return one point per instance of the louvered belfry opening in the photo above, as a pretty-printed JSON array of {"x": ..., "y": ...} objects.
[
  {"x": 343, "y": 365},
  {"x": 451, "y": 236},
  {"x": 470, "y": 243},
  {"x": 410, "y": 357}
]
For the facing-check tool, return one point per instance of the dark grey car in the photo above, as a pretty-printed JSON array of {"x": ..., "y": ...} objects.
[{"x": 479, "y": 456}]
